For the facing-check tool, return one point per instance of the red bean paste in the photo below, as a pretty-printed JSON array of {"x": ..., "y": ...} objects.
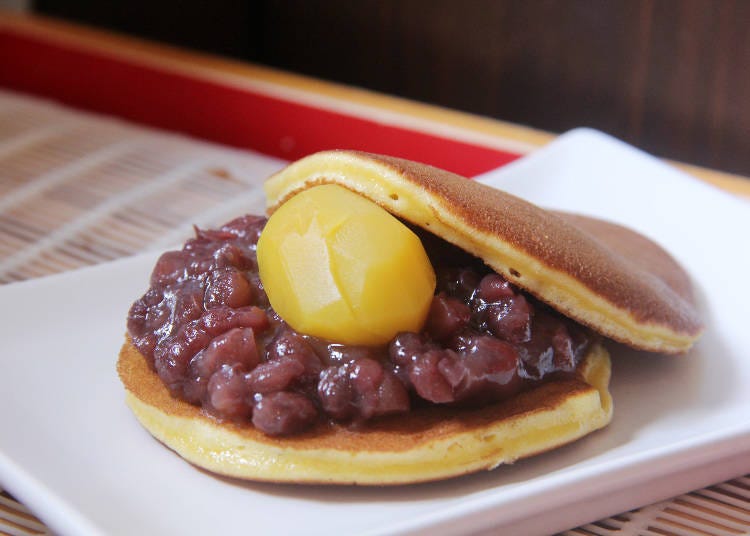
[{"x": 206, "y": 327}]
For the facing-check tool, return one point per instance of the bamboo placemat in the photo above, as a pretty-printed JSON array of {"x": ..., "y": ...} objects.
[{"x": 78, "y": 189}]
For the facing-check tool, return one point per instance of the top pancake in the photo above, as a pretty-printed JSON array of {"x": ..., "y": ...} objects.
[{"x": 603, "y": 275}]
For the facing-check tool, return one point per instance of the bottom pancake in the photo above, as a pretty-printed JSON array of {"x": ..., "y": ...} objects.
[{"x": 423, "y": 445}]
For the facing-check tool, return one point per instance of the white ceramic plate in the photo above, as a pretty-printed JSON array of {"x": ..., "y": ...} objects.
[{"x": 70, "y": 448}]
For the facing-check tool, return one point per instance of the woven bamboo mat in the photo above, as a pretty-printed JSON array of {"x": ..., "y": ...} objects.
[{"x": 77, "y": 189}]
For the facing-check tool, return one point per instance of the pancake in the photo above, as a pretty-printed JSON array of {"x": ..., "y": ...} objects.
[
  {"x": 423, "y": 445},
  {"x": 602, "y": 275}
]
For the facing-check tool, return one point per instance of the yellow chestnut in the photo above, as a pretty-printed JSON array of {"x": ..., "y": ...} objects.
[{"x": 338, "y": 266}]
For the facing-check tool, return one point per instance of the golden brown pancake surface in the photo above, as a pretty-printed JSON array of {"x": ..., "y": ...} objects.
[
  {"x": 422, "y": 445},
  {"x": 602, "y": 275}
]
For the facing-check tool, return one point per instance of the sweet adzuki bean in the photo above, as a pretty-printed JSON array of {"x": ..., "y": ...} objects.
[{"x": 206, "y": 327}]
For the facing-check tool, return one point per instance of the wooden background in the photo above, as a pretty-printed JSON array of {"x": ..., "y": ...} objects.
[{"x": 670, "y": 76}]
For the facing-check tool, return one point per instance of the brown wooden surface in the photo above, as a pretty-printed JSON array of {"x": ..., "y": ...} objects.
[
  {"x": 409, "y": 113},
  {"x": 669, "y": 76}
]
